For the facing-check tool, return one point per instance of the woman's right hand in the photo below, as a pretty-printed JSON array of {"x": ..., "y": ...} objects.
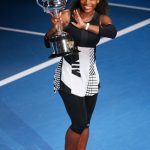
[{"x": 56, "y": 20}]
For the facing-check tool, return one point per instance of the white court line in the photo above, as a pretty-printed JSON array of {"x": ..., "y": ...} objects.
[
  {"x": 53, "y": 61},
  {"x": 29, "y": 71},
  {"x": 129, "y": 6},
  {"x": 127, "y": 30},
  {"x": 21, "y": 31},
  {"x": 42, "y": 34}
]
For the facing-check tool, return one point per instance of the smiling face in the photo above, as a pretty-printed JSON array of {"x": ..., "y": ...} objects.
[{"x": 89, "y": 5}]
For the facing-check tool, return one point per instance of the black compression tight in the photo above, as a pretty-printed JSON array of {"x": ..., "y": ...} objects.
[{"x": 79, "y": 109}]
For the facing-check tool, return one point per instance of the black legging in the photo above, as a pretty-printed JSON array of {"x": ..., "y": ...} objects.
[{"x": 79, "y": 109}]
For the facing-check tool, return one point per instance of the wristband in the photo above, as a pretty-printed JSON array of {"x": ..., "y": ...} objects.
[{"x": 87, "y": 26}]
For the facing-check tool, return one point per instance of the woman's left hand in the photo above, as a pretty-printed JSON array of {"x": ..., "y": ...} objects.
[{"x": 79, "y": 22}]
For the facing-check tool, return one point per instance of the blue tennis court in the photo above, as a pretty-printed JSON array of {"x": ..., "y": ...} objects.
[{"x": 32, "y": 117}]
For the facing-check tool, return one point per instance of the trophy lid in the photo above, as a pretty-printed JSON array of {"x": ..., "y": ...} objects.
[
  {"x": 52, "y": 5},
  {"x": 55, "y": 4}
]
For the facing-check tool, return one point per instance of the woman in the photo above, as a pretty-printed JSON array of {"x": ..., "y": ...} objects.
[{"x": 76, "y": 77}]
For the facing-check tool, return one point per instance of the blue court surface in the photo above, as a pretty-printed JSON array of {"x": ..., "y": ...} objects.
[{"x": 32, "y": 117}]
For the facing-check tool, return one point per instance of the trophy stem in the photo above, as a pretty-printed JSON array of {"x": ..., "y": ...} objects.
[
  {"x": 56, "y": 13},
  {"x": 59, "y": 29}
]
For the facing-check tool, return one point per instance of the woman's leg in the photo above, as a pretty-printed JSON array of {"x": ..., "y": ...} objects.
[
  {"x": 71, "y": 140},
  {"x": 83, "y": 139},
  {"x": 90, "y": 102},
  {"x": 76, "y": 110}
]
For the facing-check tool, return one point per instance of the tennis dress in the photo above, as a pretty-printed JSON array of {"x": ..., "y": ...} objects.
[{"x": 77, "y": 73}]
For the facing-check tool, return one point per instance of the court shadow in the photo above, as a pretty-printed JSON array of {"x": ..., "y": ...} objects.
[{"x": 19, "y": 131}]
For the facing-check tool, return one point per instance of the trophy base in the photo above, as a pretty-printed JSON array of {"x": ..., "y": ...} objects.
[{"x": 62, "y": 44}]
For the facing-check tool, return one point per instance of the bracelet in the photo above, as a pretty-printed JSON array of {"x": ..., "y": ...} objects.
[{"x": 87, "y": 26}]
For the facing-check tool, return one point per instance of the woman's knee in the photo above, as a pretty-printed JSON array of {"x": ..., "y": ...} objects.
[{"x": 79, "y": 127}]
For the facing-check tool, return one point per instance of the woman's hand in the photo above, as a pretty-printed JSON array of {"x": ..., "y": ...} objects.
[
  {"x": 79, "y": 22},
  {"x": 57, "y": 21}
]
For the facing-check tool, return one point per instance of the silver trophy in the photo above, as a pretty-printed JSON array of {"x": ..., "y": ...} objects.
[{"x": 61, "y": 42}]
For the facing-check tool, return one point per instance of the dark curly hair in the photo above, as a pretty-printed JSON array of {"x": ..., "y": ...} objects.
[{"x": 101, "y": 8}]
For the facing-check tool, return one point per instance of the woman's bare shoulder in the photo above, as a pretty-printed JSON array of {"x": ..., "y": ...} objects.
[{"x": 104, "y": 20}]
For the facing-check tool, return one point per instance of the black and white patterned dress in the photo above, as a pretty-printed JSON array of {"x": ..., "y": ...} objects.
[{"x": 77, "y": 74}]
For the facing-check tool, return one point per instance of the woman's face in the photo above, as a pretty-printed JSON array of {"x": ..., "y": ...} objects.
[{"x": 89, "y": 5}]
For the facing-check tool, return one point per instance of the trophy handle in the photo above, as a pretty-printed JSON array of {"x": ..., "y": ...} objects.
[{"x": 37, "y": 1}]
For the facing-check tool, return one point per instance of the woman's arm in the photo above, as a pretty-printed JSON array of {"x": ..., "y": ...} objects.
[
  {"x": 82, "y": 25},
  {"x": 106, "y": 28},
  {"x": 63, "y": 18}
]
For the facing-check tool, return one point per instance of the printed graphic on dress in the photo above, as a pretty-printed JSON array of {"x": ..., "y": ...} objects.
[{"x": 76, "y": 65}]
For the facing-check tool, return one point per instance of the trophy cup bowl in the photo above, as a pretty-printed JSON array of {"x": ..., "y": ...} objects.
[{"x": 61, "y": 42}]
